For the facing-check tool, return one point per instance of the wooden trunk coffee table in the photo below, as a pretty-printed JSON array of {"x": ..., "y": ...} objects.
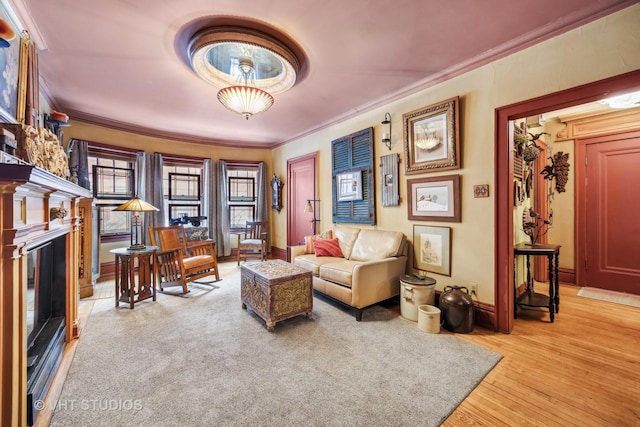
[{"x": 276, "y": 290}]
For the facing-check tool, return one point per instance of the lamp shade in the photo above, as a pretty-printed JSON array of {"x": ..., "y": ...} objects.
[
  {"x": 245, "y": 100},
  {"x": 308, "y": 207},
  {"x": 136, "y": 205}
]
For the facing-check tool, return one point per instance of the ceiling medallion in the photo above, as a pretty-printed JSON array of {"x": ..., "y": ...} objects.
[{"x": 248, "y": 66}]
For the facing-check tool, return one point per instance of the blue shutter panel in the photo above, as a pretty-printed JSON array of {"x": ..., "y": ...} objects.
[{"x": 348, "y": 154}]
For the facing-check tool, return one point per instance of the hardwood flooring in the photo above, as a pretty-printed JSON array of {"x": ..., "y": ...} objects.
[{"x": 581, "y": 370}]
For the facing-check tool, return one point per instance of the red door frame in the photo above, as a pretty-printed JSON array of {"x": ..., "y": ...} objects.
[{"x": 503, "y": 268}]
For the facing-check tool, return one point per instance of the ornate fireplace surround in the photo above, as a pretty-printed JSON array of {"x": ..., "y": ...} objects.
[{"x": 36, "y": 207}]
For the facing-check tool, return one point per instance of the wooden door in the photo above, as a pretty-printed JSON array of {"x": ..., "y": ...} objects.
[
  {"x": 302, "y": 176},
  {"x": 608, "y": 208}
]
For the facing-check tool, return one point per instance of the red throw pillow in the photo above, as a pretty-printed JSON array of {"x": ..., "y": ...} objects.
[
  {"x": 329, "y": 247},
  {"x": 309, "y": 240}
]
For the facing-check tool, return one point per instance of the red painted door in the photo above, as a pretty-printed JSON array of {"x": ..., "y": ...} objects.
[
  {"x": 612, "y": 203},
  {"x": 302, "y": 173}
]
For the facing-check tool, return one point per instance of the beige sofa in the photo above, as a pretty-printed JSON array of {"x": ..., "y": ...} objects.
[{"x": 369, "y": 273}]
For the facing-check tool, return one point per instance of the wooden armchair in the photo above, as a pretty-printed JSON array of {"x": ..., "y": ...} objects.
[
  {"x": 252, "y": 241},
  {"x": 180, "y": 261}
]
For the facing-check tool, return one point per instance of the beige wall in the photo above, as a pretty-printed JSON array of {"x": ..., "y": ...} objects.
[
  {"x": 601, "y": 49},
  {"x": 150, "y": 144},
  {"x": 604, "y": 48}
]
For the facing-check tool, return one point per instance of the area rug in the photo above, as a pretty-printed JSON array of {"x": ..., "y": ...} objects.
[
  {"x": 205, "y": 361},
  {"x": 610, "y": 296}
]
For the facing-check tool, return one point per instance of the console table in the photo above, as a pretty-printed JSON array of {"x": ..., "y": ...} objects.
[
  {"x": 129, "y": 288},
  {"x": 531, "y": 298}
]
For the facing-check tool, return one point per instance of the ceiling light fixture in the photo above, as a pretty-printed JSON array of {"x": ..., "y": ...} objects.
[
  {"x": 628, "y": 100},
  {"x": 244, "y": 99},
  {"x": 247, "y": 65}
]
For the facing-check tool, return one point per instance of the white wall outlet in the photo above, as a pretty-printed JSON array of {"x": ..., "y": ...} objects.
[{"x": 474, "y": 289}]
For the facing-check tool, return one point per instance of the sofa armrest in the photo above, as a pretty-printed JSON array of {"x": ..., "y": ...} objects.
[
  {"x": 296, "y": 250},
  {"x": 375, "y": 281}
]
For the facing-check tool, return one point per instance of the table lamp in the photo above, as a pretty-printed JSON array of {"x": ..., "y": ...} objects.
[{"x": 136, "y": 205}]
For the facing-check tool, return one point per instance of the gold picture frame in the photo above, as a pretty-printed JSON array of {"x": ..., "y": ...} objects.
[{"x": 432, "y": 137}]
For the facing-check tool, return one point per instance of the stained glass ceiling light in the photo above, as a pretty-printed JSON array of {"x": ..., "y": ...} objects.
[{"x": 248, "y": 66}]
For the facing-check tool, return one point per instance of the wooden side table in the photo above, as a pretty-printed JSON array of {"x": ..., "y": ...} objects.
[
  {"x": 131, "y": 287},
  {"x": 531, "y": 298}
]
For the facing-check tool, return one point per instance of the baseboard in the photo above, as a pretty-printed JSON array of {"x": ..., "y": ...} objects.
[
  {"x": 278, "y": 253},
  {"x": 107, "y": 271},
  {"x": 484, "y": 315},
  {"x": 567, "y": 275}
]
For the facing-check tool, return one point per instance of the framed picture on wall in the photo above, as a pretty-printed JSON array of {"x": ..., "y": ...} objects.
[
  {"x": 431, "y": 138},
  {"x": 432, "y": 249},
  {"x": 434, "y": 199},
  {"x": 12, "y": 65}
]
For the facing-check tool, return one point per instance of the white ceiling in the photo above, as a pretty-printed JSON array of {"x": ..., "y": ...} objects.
[{"x": 122, "y": 62}]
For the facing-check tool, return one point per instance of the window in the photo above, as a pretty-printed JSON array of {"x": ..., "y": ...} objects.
[
  {"x": 242, "y": 189},
  {"x": 112, "y": 182},
  {"x": 182, "y": 188},
  {"x": 113, "y": 223},
  {"x": 111, "y": 177},
  {"x": 241, "y": 194}
]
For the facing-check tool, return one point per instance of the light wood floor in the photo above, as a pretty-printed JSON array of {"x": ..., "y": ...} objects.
[{"x": 581, "y": 370}]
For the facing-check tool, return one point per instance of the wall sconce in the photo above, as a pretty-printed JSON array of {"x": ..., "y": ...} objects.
[
  {"x": 386, "y": 136},
  {"x": 314, "y": 209}
]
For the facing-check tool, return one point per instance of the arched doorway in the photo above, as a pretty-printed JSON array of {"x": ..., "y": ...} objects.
[{"x": 504, "y": 285}]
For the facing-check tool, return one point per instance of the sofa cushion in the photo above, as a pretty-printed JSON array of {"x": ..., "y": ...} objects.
[
  {"x": 313, "y": 263},
  {"x": 346, "y": 236},
  {"x": 339, "y": 271},
  {"x": 308, "y": 240},
  {"x": 330, "y": 247},
  {"x": 374, "y": 245}
]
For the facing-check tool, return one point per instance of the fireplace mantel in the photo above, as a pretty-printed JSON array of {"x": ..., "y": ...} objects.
[{"x": 35, "y": 207}]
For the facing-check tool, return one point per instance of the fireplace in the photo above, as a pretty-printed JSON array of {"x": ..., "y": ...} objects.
[
  {"x": 46, "y": 327},
  {"x": 40, "y": 232}
]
